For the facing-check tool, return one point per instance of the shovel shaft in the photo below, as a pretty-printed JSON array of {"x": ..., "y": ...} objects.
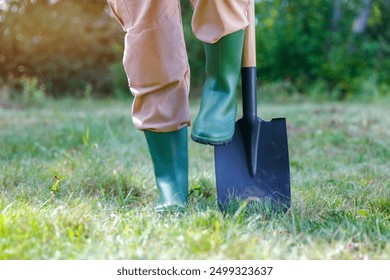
[
  {"x": 249, "y": 51},
  {"x": 249, "y": 100},
  {"x": 250, "y": 124},
  {"x": 248, "y": 70}
]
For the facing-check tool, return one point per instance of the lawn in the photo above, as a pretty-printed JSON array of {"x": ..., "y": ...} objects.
[{"x": 76, "y": 182}]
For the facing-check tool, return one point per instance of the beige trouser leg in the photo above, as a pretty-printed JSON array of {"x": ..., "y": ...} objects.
[
  {"x": 156, "y": 63},
  {"x": 216, "y": 18},
  {"x": 155, "y": 56}
]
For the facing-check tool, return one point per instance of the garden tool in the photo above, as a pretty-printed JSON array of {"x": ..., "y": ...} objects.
[
  {"x": 255, "y": 164},
  {"x": 169, "y": 153}
]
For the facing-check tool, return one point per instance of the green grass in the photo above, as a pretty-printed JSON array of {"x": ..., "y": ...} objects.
[{"x": 76, "y": 182}]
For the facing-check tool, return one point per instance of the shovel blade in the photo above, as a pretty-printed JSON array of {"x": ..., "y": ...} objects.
[{"x": 271, "y": 181}]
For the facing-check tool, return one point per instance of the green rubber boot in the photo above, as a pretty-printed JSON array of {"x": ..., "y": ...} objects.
[
  {"x": 169, "y": 153},
  {"x": 215, "y": 122}
]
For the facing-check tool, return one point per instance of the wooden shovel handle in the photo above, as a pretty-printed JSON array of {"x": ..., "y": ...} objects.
[{"x": 249, "y": 51}]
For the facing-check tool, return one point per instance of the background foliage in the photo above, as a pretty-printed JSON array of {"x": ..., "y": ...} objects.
[{"x": 306, "y": 46}]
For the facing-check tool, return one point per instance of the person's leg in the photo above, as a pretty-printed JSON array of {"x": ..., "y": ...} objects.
[
  {"x": 156, "y": 65},
  {"x": 220, "y": 25},
  {"x": 169, "y": 155}
]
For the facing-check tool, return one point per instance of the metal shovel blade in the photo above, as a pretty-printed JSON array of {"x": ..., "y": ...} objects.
[{"x": 268, "y": 178}]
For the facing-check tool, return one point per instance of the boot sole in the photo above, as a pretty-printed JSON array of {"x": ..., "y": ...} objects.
[{"x": 204, "y": 141}]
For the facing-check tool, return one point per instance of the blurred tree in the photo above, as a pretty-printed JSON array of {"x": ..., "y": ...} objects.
[
  {"x": 339, "y": 42},
  {"x": 337, "y": 15},
  {"x": 72, "y": 45},
  {"x": 194, "y": 48},
  {"x": 360, "y": 22},
  {"x": 68, "y": 45}
]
